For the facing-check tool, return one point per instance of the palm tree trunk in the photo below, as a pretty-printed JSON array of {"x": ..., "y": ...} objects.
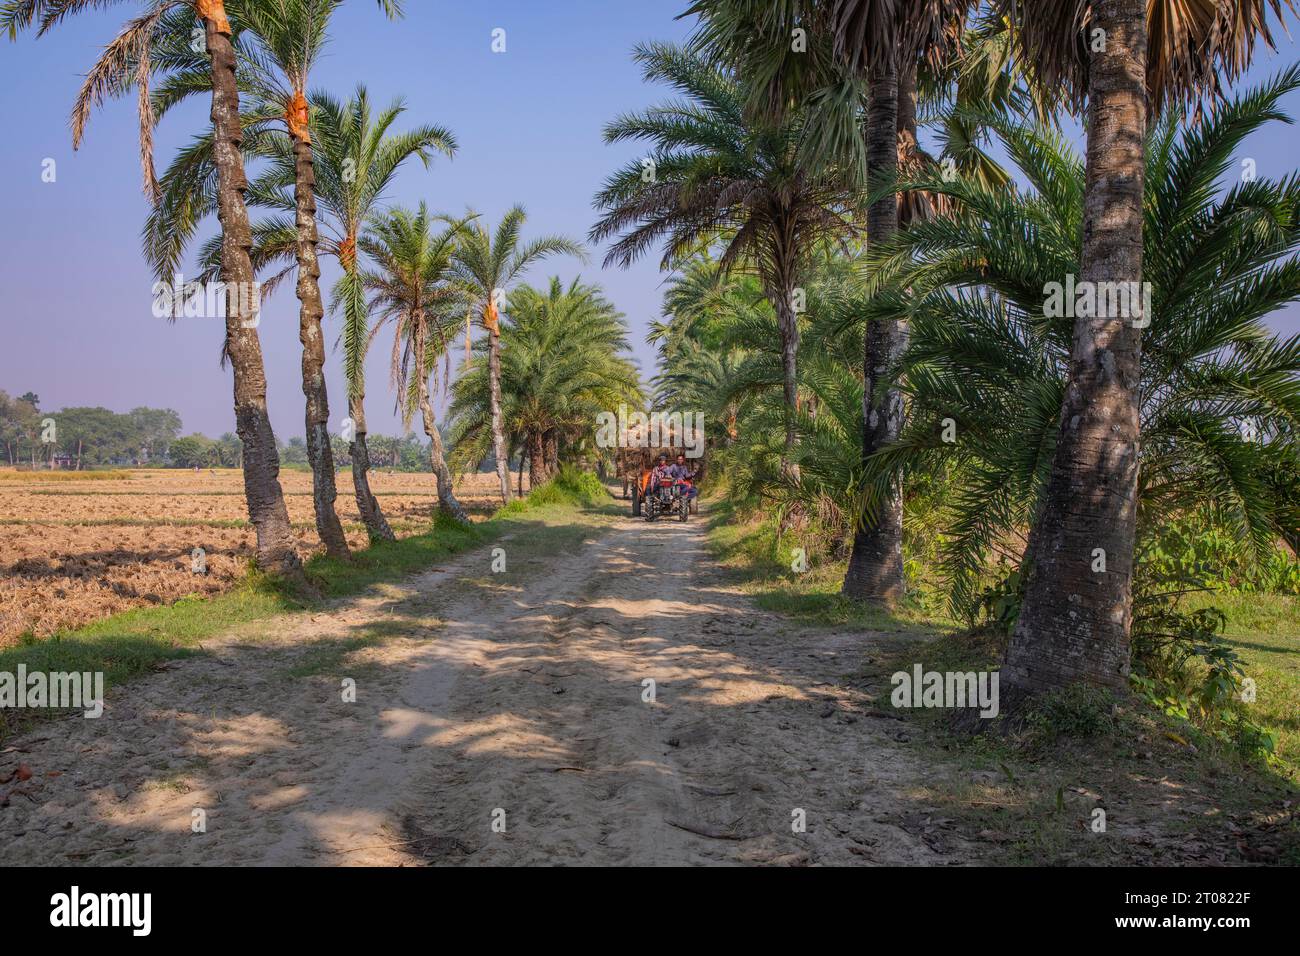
[
  {"x": 266, "y": 507},
  {"x": 498, "y": 429},
  {"x": 536, "y": 459},
  {"x": 319, "y": 453},
  {"x": 371, "y": 515},
  {"x": 875, "y": 571},
  {"x": 1074, "y": 623},
  {"x": 552, "y": 442},
  {"x": 780, "y": 286},
  {"x": 446, "y": 497}
]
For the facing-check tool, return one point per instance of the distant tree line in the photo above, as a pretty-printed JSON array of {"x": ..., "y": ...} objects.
[
  {"x": 78, "y": 438},
  {"x": 83, "y": 437}
]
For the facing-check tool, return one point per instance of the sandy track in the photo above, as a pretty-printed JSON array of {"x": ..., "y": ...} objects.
[{"x": 515, "y": 697}]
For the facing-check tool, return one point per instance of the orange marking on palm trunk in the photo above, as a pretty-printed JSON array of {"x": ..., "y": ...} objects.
[
  {"x": 215, "y": 11},
  {"x": 491, "y": 318},
  {"x": 295, "y": 114}
]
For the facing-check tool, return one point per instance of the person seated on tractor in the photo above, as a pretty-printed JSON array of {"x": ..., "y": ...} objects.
[
  {"x": 662, "y": 476},
  {"x": 684, "y": 473}
]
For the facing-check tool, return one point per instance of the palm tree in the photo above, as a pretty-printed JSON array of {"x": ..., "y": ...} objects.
[
  {"x": 1125, "y": 58},
  {"x": 713, "y": 172},
  {"x": 292, "y": 33},
  {"x": 714, "y": 320},
  {"x": 126, "y": 62},
  {"x": 852, "y": 40},
  {"x": 988, "y": 356},
  {"x": 486, "y": 265},
  {"x": 561, "y": 365},
  {"x": 355, "y": 158},
  {"x": 277, "y": 44},
  {"x": 413, "y": 287}
]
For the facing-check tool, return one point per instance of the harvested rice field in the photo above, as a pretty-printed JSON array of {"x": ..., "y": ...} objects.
[{"x": 76, "y": 546}]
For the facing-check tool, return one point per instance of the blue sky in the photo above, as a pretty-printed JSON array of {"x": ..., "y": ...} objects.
[{"x": 77, "y": 323}]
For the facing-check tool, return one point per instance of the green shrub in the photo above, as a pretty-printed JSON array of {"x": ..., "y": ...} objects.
[
  {"x": 1183, "y": 667},
  {"x": 569, "y": 487},
  {"x": 1198, "y": 549}
]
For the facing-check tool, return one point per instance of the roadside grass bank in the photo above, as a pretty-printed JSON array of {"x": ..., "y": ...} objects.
[
  {"x": 138, "y": 641},
  {"x": 1084, "y": 781}
]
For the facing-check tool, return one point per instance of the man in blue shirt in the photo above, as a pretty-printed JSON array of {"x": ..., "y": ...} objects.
[{"x": 683, "y": 472}]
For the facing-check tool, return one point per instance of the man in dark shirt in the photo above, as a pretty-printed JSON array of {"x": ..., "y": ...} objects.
[{"x": 683, "y": 472}]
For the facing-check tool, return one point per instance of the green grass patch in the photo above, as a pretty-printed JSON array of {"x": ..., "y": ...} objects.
[
  {"x": 1262, "y": 628},
  {"x": 569, "y": 487},
  {"x": 766, "y": 564}
]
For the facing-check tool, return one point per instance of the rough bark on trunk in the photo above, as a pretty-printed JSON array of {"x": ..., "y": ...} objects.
[
  {"x": 552, "y": 454},
  {"x": 371, "y": 515},
  {"x": 536, "y": 459},
  {"x": 446, "y": 497},
  {"x": 266, "y": 507},
  {"x": 875, "y": 571},
  {"x": 780, "y": 291},
  {"x": 494, "y": 389},
  {"x": 1074, "y": 623},
  {"x": 311, "y": 310}
]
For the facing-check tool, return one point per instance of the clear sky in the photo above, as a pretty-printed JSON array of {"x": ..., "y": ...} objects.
[{"x": 75, "y": 316}]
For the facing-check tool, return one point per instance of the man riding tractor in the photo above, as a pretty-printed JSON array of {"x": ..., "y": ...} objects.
[{"x": 670, "y": 488}]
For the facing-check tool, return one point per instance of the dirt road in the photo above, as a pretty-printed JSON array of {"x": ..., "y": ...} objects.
[{"x": 499, "y": 719}]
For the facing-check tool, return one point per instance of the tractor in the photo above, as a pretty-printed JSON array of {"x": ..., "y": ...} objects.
[{"x": 634, "y": 465}]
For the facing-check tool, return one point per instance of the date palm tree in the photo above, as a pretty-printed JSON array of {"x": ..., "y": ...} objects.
[
  {"x": 355, "y": 158},
  {"x": 843, "y": 43},
  {"x": 127, "y": 61},
  {"x": 1126, "y": 59},
  {"x": 413, "y": 287},
  {"x": 1219, "y": 394},
  {"x": 563, "y": 362},
  {"x": 485, "y": 265},
  {"x": 359, "y": 155},
  {"x": 714, "y": 172}
]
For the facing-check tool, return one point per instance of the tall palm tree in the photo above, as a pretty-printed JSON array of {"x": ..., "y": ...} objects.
[
  {"x": 991, "y": 358},
  {"x": 881, "y": 42},
  {"x": 486, "y": 265},
  {"x": 711, "y": 172},
  {"x": 412, "y": 286},
  {"x": 358, "y": 157},
  {"x": 355, "y": 158},
  {"x": 292, "y": 33},
  {"x": 127, "y": 61},
  {"x": 277, "y": 44},
  {"x": 1126, "y": 59}
]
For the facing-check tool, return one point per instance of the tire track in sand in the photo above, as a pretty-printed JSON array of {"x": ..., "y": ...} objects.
[{"x": 524, "y": 696}]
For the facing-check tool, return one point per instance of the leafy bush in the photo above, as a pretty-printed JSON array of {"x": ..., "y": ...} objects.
[
  {"x": 569, "y": 487},
  {"x": 1199, "y": 549},
  {"x": 1184, "y": 668}
]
